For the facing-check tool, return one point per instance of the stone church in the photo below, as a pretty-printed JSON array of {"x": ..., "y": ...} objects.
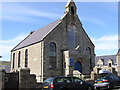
[{"x": 56, "y": 49}]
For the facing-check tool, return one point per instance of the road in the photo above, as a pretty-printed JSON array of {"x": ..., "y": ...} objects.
[{"x": 116, "y": 89}]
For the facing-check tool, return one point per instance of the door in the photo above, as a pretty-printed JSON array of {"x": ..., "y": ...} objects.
[{"x": 78, "y": 66}]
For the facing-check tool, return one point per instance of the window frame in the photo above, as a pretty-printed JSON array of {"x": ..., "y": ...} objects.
[
  {"x": 13, "y": 64},
  {"x": 26, "y": 58},
  {"x": 52, "y": 55},
  {"x": 19, "y": 58}
]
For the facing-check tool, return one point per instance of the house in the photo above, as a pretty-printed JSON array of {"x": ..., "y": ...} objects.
[
  {"x": 56, "y": 49},
  {"x": 108, "y": 62}
]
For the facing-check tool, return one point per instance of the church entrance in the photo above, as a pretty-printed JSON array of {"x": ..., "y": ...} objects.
[{"x": 78, "y": 66}]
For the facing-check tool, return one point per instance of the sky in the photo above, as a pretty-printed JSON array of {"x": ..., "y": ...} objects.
[{"x": 99, "y": 19}]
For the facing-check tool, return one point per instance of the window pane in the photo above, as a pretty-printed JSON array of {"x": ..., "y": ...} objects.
[
  {"x": 19, "y": 59},
  {"x": 72, "y": 35},
  {"x": 26, "y": 58},
  {"x": 52, "y": 55},
  {"x": 13, "y": 60}
]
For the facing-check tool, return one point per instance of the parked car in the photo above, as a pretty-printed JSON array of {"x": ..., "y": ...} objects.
[
  {"x": 107, "y": 82},
  {"x": 66, "y": 83}
]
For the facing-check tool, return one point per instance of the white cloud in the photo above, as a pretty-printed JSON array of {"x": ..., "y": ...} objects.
[
  {"x": 106, "y": 42},
  {"x": 94, "y": 20},
  {"x": 59, "y": 0},
  {"x": 8, "y": 45},
  {"x": 25, "y": 14},
  {"x": 103, "y": 43}
]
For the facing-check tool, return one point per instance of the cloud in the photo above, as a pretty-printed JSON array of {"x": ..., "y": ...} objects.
[
  {"x": 103, "y": 43},
  {"x": 59, "y": 0},
  {"x": 94, "y": 20},
  {"x": 8, "y": 45},
  {"x": 25, "y": 14},
  {"x": 106, "y": 42}
]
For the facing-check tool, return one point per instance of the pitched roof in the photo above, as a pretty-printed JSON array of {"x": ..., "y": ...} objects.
[
  {"x": 37, "y": 36},
  {"x": 106, "y": 58}
]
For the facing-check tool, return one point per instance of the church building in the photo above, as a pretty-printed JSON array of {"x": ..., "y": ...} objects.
[{"x": 57, "y": 49}]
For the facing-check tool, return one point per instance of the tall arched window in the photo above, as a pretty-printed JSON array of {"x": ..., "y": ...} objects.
[
  {"x": 52, "y": 55},
  {"x": 89, "y": 56},
  {"x": 26, "y": 58},
  {"x": 72, "y": 35},
  {"x": 19, "y": 59},
  {"x": 72, "y": 10},
  {"x": 13, "y": 61}
]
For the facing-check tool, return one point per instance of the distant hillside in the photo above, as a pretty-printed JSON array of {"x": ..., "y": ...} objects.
[{"x": 5, "y": 63}]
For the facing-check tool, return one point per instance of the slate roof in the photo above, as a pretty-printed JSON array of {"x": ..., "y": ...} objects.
[
  {"x": 106, "y": 58},
  {"x": 37, "y": 36}
]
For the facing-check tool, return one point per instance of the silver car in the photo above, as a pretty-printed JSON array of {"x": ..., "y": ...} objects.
[{"x": 107, "y": 82}]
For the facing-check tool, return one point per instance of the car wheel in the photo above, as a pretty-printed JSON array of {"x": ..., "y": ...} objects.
[{"x": 89, "y": 88}]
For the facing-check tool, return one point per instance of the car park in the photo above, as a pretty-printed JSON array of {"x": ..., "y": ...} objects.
[
  {"x": 66, "y": 83},
  {"x": 107, "y": 82}
]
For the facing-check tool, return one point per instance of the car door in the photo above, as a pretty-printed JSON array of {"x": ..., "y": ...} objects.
[
  {"x": 78, "y": 83},
  {"x": 113, "y": 80},
  {"x": 60, "y": 82},
  {"x": 117, "y": 80}
]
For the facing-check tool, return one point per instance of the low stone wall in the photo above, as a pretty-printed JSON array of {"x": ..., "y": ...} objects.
[
  {"x": 2, "y": 77},
  {"x": 28, "y": 81},
  {"x": 21, "y": 80}
]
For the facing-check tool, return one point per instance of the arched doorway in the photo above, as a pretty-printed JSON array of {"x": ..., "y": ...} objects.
[{"x": 78, "y": 66}]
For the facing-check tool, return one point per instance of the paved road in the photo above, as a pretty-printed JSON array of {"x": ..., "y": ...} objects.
[{"x": 117, "y": 89}]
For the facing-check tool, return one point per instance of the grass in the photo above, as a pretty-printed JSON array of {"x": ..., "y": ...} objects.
[{"x": 5, "y": 63}]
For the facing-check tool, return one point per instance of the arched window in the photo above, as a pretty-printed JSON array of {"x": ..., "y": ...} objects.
[
  {"x": 52, "y": 55},
  {"x": 26, "y": 58},
  {"x": 13, "y": 61},
  {"x": 72, "y": 35},
  {"x": 110, "y": 64},
  {"x": 72, "y": 10},
  {"x": 78, "y": 66},
  {"x": 19, "y": 59},
  {"x": 89, "y": 56}
]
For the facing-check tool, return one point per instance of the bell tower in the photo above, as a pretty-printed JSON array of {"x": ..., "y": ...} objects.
[{"x": 71, "y": 7}]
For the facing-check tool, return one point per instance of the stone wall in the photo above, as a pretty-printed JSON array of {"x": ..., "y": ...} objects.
[
  {"x": 21, "y": 80},
  {"x": 2, "y": 77},
  {"x": 26, "y": 80}
]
